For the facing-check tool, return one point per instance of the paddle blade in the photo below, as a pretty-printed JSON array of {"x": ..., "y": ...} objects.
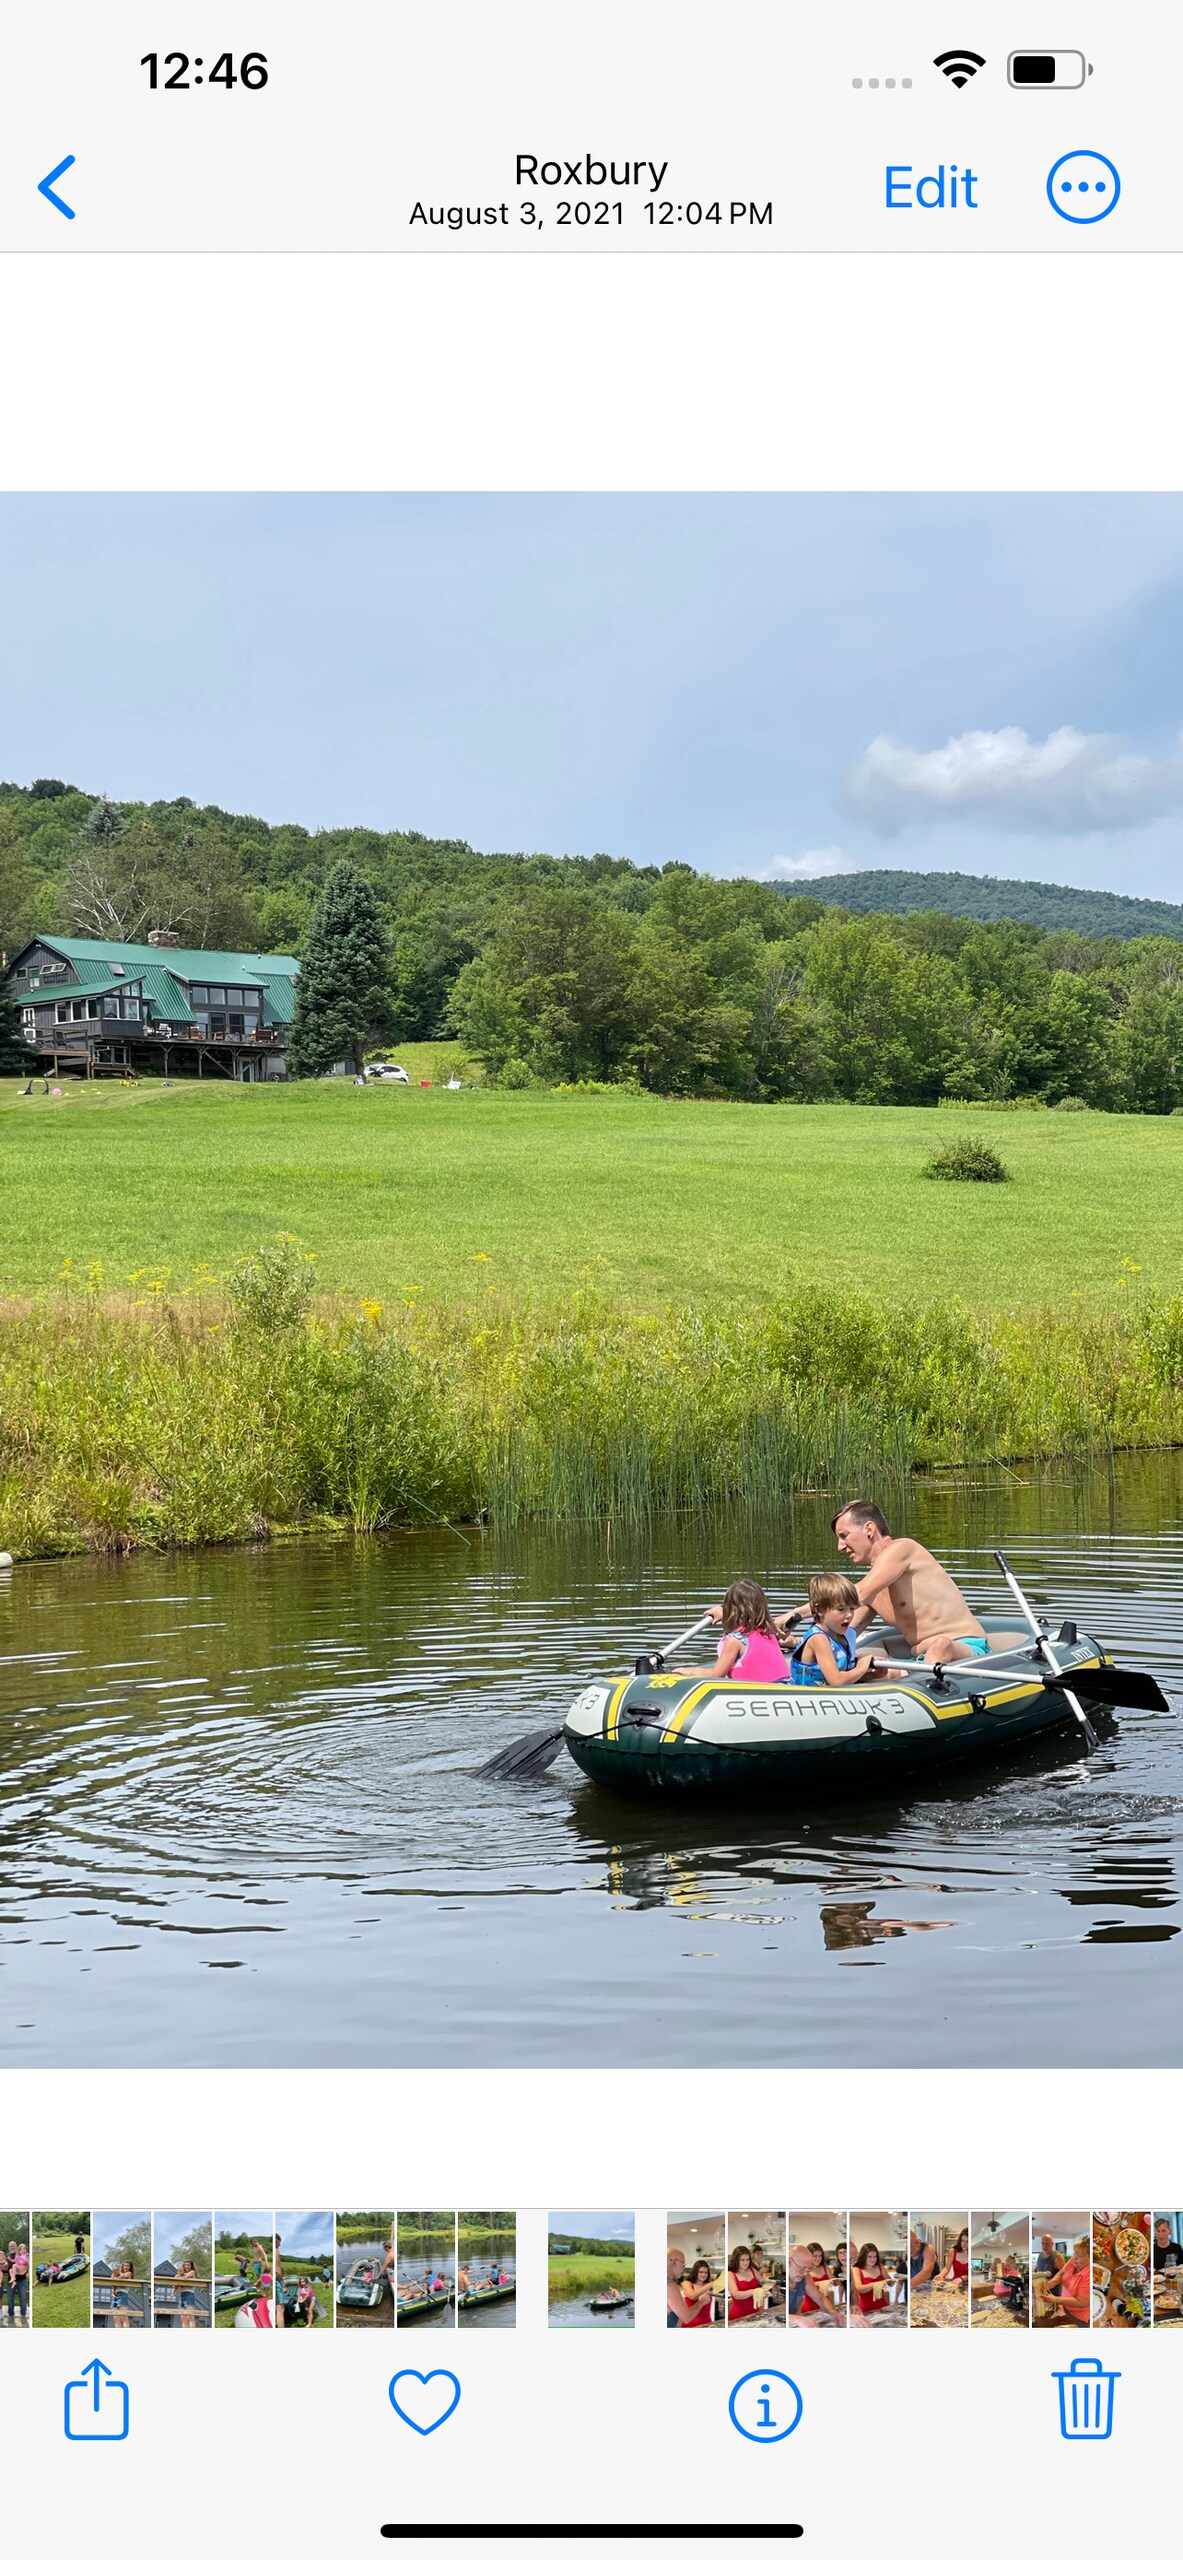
[
  {"x": 528, "y": 1757},
  {"x": 1110, "y": 1685}
]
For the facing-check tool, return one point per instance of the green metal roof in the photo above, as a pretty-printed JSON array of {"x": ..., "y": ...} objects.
[
  {"x": 279, "y": 1000},
  {"x": 97, "y": 982},
  {"x": 241, "y": 967},
  {"x": 167, "y": 996}
]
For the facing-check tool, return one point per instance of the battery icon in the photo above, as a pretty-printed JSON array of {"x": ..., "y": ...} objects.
[{"x": 1047, "y": 70}]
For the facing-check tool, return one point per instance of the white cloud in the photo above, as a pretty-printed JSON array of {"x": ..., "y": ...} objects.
[
  {"x": 1067, "y": 783},
  {"x": 823, "y": 865}
]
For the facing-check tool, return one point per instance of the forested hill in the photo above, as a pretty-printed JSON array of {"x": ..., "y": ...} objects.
[
  {"x": 555, "y": 971},
  {"x": 984, "y": 901}
]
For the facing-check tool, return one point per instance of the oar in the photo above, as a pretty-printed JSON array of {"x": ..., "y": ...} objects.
[
  {"x": 1045, "y": 1648},
  {"x": 534, "y": 1752}
]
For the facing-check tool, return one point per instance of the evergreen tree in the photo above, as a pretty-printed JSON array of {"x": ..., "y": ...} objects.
[
  {"x": 343, "y": 998},
  {"x": 15, "y": 1053},
  {"x": 103, "y": 828}
]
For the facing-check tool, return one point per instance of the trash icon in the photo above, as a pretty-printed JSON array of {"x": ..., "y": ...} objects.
[{"x": 1086, "y": 2400}]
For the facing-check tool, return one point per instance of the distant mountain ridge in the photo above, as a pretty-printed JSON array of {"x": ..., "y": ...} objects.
[{"x": 964, "y": 893}]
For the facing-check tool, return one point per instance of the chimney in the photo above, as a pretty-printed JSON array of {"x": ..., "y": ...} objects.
[{"x": 159, "y": 940}]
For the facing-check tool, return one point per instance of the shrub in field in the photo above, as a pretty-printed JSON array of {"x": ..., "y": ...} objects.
[{"x": 969, "y": 1160}]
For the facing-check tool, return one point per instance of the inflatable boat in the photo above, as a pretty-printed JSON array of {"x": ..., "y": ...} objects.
[
  {"x": 604, "y": 2302},
  {"x": 479, "y": 2294},
  {"x": 289, "y": 2295},
  {"x": 229, "y": 2291},
  {"x": 62, "y": 2273},
  {"x": 678, "y": 1733},
  {"x": 412, "y": 2307},
  {"x": 254, "y": 2315},
  {"x": 362, "y": 2289}
]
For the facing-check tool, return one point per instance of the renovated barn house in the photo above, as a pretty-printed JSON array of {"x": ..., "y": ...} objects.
[{"x": 153, "y": 1006}]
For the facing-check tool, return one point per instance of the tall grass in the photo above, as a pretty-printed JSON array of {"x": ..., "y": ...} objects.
[
  {"x": 246, "y": 1408},
  {"x": 567, "y": 2276}
]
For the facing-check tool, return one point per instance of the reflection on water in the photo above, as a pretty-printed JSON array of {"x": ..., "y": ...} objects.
[
  {"x": 574, "y": 2311},
  {"x": 239, "y": 1821}
]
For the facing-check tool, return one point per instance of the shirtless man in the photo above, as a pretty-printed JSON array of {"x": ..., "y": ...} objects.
[{"x": 902, "y": 1583}]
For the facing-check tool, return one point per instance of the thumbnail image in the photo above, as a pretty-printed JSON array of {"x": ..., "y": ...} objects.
[
  {"x": 60, "y": 2297},
  {"x": 1168, "y": 2269},
  {"x": 938, "y": 2270},
  {"x": 182, "y": 2269},
  {"x": 487, "y": 2267},
  {"x": 427, "y": 2270},
  {"x": 1121, "y": 2270},
  {"x": 817, "y": 2281},
  {"x": 303, "y": 2289},
  {"x": 1062, "y": 2269},
  {"x": 15, "y": 2229},
  {"x": 878, "y": 2270},
  {"x": 695, "y": 2270},
  {"x": 366, "y": 2262},
  {"x": 756, "y": 2267},
  {"x": 590, "y": 2270},
  {"x": 1000, "y": 2269},
  {"x": 244, "y": 2249},
  {"x": 120, "y": 2270}
]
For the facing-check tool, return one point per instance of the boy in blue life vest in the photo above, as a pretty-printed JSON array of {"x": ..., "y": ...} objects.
[{"x": 824, "y": 1657}]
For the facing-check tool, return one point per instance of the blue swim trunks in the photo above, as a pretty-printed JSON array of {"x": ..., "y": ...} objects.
[{"x": 974, "y": 1644}]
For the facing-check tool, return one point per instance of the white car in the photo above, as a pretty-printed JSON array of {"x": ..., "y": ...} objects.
[{"x": 380, "y": 1073}]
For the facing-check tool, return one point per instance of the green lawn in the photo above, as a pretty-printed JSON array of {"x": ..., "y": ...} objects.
[
  {"x": 59, "y": 2306},
  {"x": 456, "y": 1192}
]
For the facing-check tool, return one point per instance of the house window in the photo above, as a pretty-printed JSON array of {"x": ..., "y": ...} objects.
[
  {"x": 92, "y": 1010},
  {"x": 199, "y": 995},
  {"x": 29, "y": 1016},
  {"x": 217, "y": 995},
  {"x": 61, "y": 1012},
  {"x": 110, "y": 1009},
  {"x": 217, "y": 1024},
  {"x": 250, "y": 999},
  {"x": 236, "y": 1026},
  {"x": 131, "y": 1008},
  {"x": 79, "y": 1012}
]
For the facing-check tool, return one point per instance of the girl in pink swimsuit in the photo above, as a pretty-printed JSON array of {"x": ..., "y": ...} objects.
[{"x": 749, "y": 1649}]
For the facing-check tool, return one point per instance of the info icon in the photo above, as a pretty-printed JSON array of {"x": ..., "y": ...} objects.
[{"x": 765, "y": 2405}]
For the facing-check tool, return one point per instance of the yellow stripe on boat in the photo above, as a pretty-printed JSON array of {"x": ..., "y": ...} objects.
[
  {"x": 679, "y": 1716},
  {"x": 613, "y": 1715}
]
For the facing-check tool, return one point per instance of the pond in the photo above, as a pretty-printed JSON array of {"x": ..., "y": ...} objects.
[
  {"x": 240, "y": 1822},
  {"x": 574, "y": 2311}
]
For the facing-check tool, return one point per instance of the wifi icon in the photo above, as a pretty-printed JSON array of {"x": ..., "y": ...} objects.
[{"x": 959, "y": 65}]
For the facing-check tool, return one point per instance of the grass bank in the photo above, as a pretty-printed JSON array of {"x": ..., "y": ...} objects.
[
  {"x": 565, "y": 2276},
  {"x": 403, "y": 1192},
  {"x": 250, "y": 1409}
]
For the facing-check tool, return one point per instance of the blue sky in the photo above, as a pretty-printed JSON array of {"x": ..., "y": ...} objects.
[
  {"x": 576, "y": 2224},
  {"x": 305, "y": 2235},
  {"x": 759, "y": 684},
  {"x": 170, "y": 2229}
]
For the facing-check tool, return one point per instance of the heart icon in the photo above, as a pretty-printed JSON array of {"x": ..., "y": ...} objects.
[{"x": 424, "y": 2400}]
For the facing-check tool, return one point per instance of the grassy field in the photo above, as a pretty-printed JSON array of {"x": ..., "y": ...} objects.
[
  {"x": 553, "y": 1306},
  {"x": 59, "y": 2306},
  {"x": 399, "y": 1190},
  {"x": 565, "y": 2276}
]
